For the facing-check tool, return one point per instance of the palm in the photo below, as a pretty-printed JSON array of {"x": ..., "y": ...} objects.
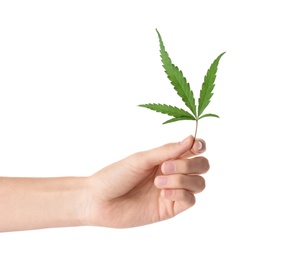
[{"x": 139, "y": 205}]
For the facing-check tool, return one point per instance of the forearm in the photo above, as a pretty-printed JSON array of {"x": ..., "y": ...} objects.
[{"x": 34, "y": 203}]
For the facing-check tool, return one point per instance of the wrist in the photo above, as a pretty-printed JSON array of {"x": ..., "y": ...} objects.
[
  {"x": 92, "y": 203},
  {"x": 81, "y": 201}
]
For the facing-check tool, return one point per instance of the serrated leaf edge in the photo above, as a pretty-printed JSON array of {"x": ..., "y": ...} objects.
[
  {"x": 208, "y": 86},
  {"x": 177, "y": 78}
]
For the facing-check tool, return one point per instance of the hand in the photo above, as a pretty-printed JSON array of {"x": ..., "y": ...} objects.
[{"x": 148, "y": 186}]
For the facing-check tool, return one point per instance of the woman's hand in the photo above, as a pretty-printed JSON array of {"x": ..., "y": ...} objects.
[
  {"x": 143, "y": 188},
  {"x": 148, "y": 186}
]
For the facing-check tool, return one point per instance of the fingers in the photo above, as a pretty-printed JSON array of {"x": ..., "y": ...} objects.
[
  {"x": 192, "y": 183},
  {"x": 180, "y": 189},
  {"x": 184, "y": 199},
  {"x": 196, "y": 165},
  {"x": 183, "y": 149},
  {"x": 166, "y": 152},
  {"x": 179, "y": 195},
  {"x": 181, "y": 180}
]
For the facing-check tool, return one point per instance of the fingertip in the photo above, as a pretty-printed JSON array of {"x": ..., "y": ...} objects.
[
  {"x": 199, "y": 146},
  {"x": 187, "y": 140}
]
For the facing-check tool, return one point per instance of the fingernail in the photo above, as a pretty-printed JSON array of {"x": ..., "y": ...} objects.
[
  {"x": 161, "y": 181},
  {"x": 200, "y": 145},
  {"x": 169, "y": 167}
]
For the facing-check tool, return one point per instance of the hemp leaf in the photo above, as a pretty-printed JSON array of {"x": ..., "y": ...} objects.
[{"x": 183, "y": 89}]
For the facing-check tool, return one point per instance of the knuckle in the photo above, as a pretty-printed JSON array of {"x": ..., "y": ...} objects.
[
  {"x": 191, "y": 200},
  {"x": 204, "y": 164},
  {"x": 180, "y": 180},
  {"x": 201, "y": 183},
  {"x": 186, "y": 167}
]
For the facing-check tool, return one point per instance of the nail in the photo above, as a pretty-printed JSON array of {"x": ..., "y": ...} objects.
[
  {"x": 161, "y": 181},
  {"x": 200, "y": 145},
  {"x": 169, "y": 167}
]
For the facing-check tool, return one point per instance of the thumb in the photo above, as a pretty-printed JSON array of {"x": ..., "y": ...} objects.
[{"x": 166, "y": 152}]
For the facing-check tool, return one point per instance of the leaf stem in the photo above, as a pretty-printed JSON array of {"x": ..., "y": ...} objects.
[{"x": 196, "y": 128}]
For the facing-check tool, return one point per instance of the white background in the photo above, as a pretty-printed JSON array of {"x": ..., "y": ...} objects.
[{"x": 71, "y": 76}]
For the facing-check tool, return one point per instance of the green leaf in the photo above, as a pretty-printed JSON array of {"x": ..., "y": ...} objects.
[
  {"x": 208, "y": 85},
  {"x": 182, "y": 87},
  {"x": 208, "y": 115},
  {"x": 177, "y": 78},
  {"x": 178, "y": 119},
  {"x": 169, "y": 110}
]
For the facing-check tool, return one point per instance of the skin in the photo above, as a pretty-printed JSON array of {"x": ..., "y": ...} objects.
[{"x": 141, "y": 189}]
